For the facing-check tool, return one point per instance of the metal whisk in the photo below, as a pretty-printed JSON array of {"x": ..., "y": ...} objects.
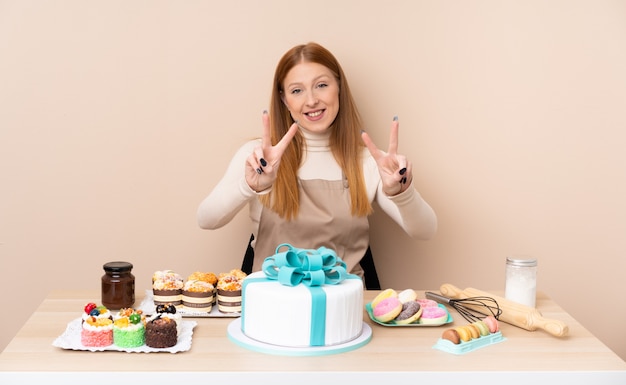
[{"x": 472, "y": 308}]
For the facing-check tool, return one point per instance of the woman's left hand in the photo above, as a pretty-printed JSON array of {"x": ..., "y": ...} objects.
[{"x": 395, "y": 170}]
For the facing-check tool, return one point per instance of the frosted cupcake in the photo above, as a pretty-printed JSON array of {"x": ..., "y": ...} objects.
[
  {"x": 198, "y": 296},
  {"x": 208, "y": 277},
  {"x": 229, "y": 291},
  {"x": 167, "y": 288}
]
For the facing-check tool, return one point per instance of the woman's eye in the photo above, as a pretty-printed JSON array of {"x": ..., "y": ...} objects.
[
  {"x": 295, "y": 91},
  {"x": 322, "y": 85}
]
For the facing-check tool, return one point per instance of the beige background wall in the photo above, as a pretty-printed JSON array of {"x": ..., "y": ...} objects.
[{"x": 117, "y": 118}]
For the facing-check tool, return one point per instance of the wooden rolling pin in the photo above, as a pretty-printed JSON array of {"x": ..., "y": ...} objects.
[{"x": 513, "y": 313}]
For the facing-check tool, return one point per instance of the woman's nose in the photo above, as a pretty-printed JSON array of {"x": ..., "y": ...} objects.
[{"x": 311, "y": 99}]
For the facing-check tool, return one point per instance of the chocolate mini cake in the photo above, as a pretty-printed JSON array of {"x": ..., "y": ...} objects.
[{"x": 161, "y": 333}]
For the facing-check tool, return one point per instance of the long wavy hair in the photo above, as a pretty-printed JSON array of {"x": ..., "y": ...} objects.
[{"x": 345, "y": 138}]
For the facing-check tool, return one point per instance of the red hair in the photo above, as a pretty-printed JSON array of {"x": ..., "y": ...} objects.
[{"x": 345, "y": 139}]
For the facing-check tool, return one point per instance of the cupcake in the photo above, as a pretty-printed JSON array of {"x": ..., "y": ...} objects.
[
  {"x": 129, "y": 330},
  {"x": 167, "y": 288},
  {"x": 96, "y": 332},
  {"x": 229, "y": 291},
  {"x": 198, "y": 295},
  {"x": 206, "y": 277}
]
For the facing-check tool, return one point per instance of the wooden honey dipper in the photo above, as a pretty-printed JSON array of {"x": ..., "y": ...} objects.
[{"x": 513, "y": 313}]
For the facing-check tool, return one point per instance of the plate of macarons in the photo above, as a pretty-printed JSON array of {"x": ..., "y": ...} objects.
[{"x": 403, "y": 308}]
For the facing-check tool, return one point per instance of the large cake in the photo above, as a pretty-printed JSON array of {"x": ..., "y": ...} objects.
[{"x": 302, "y": 298}]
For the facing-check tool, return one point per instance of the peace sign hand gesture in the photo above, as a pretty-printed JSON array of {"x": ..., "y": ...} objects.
[
  {"x": 396, "y": 172},
  {"x": 262, "y": 164}
]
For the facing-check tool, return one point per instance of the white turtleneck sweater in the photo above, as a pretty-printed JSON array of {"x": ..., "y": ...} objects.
[{"x": 407, "y": 209}]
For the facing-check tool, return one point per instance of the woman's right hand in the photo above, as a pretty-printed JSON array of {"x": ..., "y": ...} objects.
[{"x": 262, "y": 165}]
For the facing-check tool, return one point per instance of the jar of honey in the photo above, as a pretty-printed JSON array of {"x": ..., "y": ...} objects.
[{"x": 118, "y": 285}]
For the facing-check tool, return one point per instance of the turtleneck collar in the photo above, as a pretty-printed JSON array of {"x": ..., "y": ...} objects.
[{"x": 316, "y": 141}]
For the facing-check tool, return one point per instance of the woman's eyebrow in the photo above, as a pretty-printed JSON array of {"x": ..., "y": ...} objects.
[{"x": 317, "y": 78}]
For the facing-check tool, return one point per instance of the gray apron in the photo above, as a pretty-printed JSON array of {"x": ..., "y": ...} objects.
[{"x": 324, "y": 219}]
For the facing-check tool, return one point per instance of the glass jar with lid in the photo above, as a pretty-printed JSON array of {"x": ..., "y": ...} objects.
[
  {"x": 118, "y": 285},
  {"x": 521, "y": 280}
]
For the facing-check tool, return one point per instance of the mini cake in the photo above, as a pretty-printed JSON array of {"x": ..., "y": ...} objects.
[
  {"x": 198, "y": 295},
  {"x": 96, "y": 332},
  {"x": 229, "y": 291},
  {"x": 93, "y": 310},
  {"x": 171, "y": 313},
  {"x": 126, "y": 312},
  {"x": 167, "y": 288},
  {"x": 161, "y": 332},
  {"x": 129, "y": 330}
]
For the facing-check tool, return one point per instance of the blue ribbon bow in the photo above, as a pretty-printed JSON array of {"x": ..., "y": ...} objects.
[{"x": 307, "y": 266}]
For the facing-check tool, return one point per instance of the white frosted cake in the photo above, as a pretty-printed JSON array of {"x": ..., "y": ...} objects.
[{"x": 301, "y": 315}]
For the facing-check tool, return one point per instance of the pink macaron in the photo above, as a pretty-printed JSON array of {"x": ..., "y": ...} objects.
[{"x": 492, "y": 323}]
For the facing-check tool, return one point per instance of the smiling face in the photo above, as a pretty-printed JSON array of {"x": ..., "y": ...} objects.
[{"x": 311, "y": 93}]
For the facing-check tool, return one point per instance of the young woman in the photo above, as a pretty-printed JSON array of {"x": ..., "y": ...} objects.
[{"x": 312, "y": 177}]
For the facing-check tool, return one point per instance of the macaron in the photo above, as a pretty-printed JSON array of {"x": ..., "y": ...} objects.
[
  {"x": 492, "y": 323},
  {"x": 433, "y": 315},
  {"x": 475, "y": 333},
  {"x": 387, "y": 309},
  {"x": 482, "y": 328},
  {"x": 451, "y": 335},
  {"x": 464, "y": 334},
  {"x": 407, "y": 295},
  {"x": 387, "y": 293},
  {"x": 411, "y": 312}
]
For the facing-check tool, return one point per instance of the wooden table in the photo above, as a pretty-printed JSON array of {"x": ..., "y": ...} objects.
[{"x": 394, "y": 354}]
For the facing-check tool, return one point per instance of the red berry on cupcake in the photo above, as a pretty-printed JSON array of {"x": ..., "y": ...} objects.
[{"x": 89, "y": 307}]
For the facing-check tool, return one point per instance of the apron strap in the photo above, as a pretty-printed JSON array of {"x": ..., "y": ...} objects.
[{"x": 248, "y": 258}]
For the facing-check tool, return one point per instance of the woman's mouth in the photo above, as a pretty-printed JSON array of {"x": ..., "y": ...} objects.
[{"x": 314, "y": 114}]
